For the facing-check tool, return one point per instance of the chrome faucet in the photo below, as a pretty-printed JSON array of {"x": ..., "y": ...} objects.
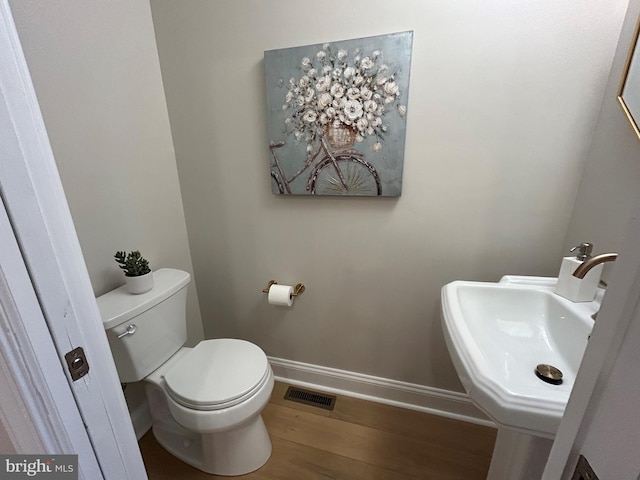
[{"x": 591, "y": 262}]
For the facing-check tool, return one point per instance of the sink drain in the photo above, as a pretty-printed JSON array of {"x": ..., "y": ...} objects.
[{"x": 549, "y": 374}]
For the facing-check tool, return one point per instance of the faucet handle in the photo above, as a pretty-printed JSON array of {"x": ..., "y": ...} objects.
[{"x": 584, "y": 250}]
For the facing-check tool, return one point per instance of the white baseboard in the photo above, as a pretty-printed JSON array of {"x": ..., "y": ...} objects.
[{"x": 382, "y": 390}]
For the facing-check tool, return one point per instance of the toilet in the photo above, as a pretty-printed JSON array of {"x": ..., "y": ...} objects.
[{"x": 205, "y": 401}]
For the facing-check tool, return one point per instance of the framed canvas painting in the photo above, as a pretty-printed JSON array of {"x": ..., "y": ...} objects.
[{"x": 336, "y": 116}]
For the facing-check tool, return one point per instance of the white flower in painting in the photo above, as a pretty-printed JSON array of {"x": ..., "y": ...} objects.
[
  {"x": 292, "y": 82},
  {"x": 337, "y": 72},
  {"x": 362, "y": 124},
  {"x": 309, "y": 116},
  {"x": 342, "y": 54},
  {"x": 288, "y": 97},
  {"x": 391, "y": 88},
  {"x": 312, "y": 72},
  {"x": 388, "y": 99},
  {"x": 338, "y": 103},
  {"x": 370, "y": 106},
  {"x": 331, "y": 112},
  {"x": 377, "y": 146},
  {"x": 359, "y": 138},
  {"x": 305, "y": 63},
  {"x": 337, "y": 90},
  {"x": 324, "y": 119},
  {"x": 366, "y": 63},
  {"x": 324, "y": 100},
  {"x": 366, "y": 93},
  {"x": 304, "y": 82},
  {"x": 402, "y": 110},
  {"x": 370, "y": 131},
  {"x": 325, "y": 46},
  {"x": 300, "y": 100},
  {"x": 326, "y": 69},
  {"x": 353, "y": 109},
  {"x": 383, "y": 68},
  {"x": 375, "y": 54},
  {"x": 309, "y": 148},
  {"x": 323, "y": 84},
  {"x": 349, "y": 72},
  {"x": 321, "y": 55},
  {"x": 353, "y": 93},
  {"x": 382, "y": 80},
  {"x": 309, "y": 95}
]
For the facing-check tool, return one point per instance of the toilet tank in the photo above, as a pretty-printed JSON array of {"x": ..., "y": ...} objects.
[{"x": 158, "y": 319}]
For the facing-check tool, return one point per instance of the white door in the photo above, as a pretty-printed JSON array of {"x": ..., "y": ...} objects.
[
  {"x": 39, "y": 218},
  {"x": 606, "y": 388}
]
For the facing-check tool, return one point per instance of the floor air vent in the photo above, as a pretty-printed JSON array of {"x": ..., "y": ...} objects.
[{"x": 315, "y": 399}]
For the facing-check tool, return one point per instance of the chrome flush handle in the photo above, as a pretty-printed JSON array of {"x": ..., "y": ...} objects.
[{"x": 131, "y": 329}]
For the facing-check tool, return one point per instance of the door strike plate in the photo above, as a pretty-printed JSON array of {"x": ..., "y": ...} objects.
[{"x": 77, "y": 363}]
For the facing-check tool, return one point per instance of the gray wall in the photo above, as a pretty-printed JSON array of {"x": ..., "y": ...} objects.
[
  {"x": 96, "y": 73},
  {"x": 502, "y": 105},
  {"x": 610, "y": 186}
]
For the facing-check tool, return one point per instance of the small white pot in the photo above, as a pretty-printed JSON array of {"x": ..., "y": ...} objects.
[{"x": 140, "y": 284}]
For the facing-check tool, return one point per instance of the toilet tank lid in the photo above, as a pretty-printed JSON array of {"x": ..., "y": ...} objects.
[{"x": 119, "y": 306}]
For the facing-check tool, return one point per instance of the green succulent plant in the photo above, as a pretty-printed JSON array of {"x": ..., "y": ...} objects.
[{"x": 133, "y": 263}]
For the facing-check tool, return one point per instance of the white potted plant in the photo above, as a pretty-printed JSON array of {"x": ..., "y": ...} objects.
[{"x": 137, "y": 273}]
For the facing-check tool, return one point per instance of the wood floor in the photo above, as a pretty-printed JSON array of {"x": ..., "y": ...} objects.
[{"x": 358, "y": 440}]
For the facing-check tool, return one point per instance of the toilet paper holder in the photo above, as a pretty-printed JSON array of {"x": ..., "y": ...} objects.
[{"x": 297, "y": 290}]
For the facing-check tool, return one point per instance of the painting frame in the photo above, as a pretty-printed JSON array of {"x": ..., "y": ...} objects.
[
  {"x": 336, "y": 116},
  {"x": 629, "y": 88}
]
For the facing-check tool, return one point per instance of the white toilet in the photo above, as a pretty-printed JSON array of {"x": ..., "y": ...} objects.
[{"x": 205, "y": 401}]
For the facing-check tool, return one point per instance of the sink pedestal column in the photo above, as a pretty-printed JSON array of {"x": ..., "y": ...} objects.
[{"x": 518, "y": 456}]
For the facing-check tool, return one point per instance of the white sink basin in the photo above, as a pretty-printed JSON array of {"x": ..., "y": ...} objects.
[{"x": 497, "y": 333}]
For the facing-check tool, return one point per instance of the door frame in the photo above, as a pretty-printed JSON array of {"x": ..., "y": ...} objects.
[{"x": 40, "y": 220}]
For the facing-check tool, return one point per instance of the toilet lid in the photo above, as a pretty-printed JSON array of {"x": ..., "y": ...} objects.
[{"x": 217, "y": 374}]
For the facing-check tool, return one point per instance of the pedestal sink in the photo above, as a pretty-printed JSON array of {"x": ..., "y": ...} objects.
[{"x": 497, "y": 334}]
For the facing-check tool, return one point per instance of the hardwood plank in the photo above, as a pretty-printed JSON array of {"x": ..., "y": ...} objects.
[
  {"x": 443, "y": 431},
  {"x": 387, "y": 450}
]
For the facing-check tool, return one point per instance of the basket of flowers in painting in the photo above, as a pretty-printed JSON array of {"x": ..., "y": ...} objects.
[{"x": 340, "y": 135}]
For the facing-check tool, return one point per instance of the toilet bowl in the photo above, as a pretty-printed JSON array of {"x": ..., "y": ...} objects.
[{"x": 205, "y": 401}]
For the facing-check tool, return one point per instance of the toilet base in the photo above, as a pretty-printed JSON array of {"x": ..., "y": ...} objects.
[{"x": 235, "y": 452}]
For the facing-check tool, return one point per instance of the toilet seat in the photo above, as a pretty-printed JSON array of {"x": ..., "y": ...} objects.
[{"x": 217, "y": 374}]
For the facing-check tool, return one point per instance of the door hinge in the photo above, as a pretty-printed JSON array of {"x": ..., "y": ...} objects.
[{"x": 77, "y": 363}]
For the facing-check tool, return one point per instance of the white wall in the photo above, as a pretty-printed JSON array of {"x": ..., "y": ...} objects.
[
  {"x": 502, "y": 104},
  {"x": 96, "y": 73}
]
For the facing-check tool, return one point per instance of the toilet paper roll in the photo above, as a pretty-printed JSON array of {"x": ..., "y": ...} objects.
[{"x": 281, "y": 295}]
